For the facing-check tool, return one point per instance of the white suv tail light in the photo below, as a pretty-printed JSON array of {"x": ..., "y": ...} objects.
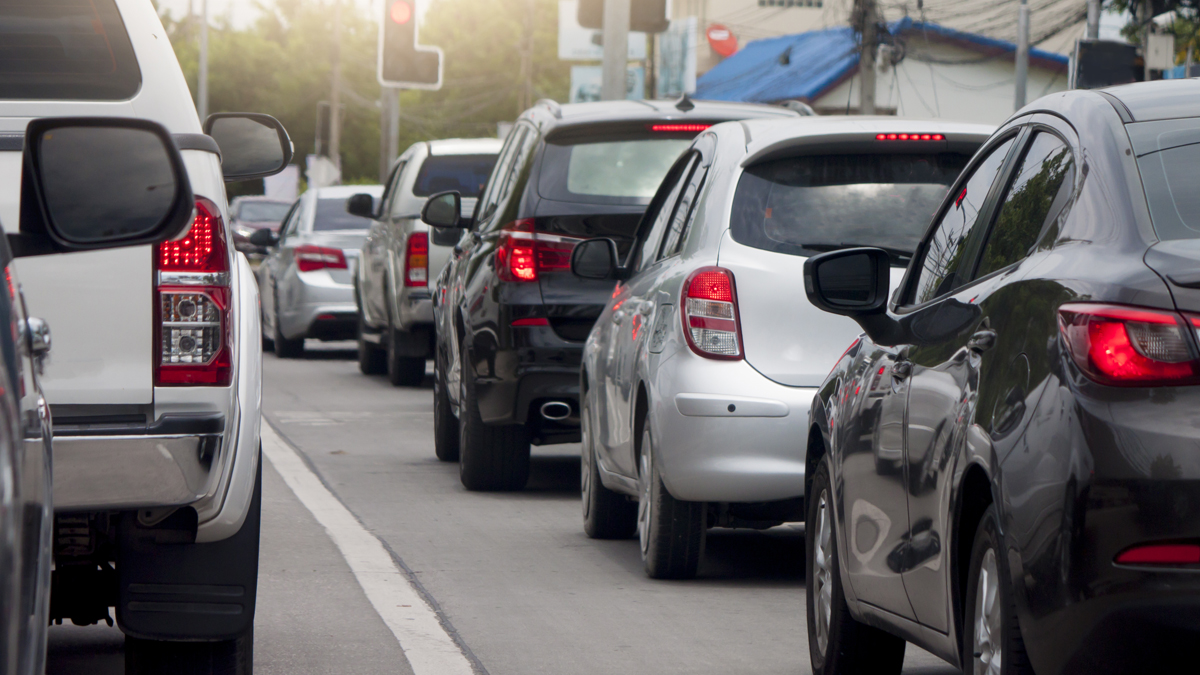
[
  {"x": 710, "y": 314},
  {"x": 192, "y": 305}
]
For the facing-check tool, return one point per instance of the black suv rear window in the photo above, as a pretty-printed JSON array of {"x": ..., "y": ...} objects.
[
  {"x": 812, "y": 204},
  {"x": 465, "y": 173},
  {"x": 65, "y": 49},
  {"x": 618, "y": 171}
]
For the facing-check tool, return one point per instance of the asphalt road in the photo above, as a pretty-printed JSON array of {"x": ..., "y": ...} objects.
[{"x": 513, "y": 575}]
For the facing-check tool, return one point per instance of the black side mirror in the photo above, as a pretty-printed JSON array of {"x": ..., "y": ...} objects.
[
  {"x": 443, "y": 209},
  {"x": 596, "y": 259},
  {"x": 850, "y": 282},
  {"x": 264, "y": 238},
  {"x": 445, "y": 236},
  {"x": 91, "y": 183},
  {"x": 252, "y": 145},
  {"x": 362, "y": 205}
]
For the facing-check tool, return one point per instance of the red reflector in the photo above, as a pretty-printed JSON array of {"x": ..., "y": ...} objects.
[
  {"x": 539, "y": 321},
  {"x": 1129, "y": 346},
  {"x": 1161, "y": 554},
  {"x": 697, "y": 128},
  {"x": 326, "y": 317},
  {"x": 311, "y": 258},
  {"x": 909, "y": 137}
]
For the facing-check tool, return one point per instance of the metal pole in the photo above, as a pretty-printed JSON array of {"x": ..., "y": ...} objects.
[
  {"x": 1093, "y": 19},
  {"x": 1187, "y": 63},
  {"x": 335, "y": 96},
  {"x": 202, "y": 84},
  {"x": 394, "y": 126},
  {"x": 385, "y": 142},
  {"x": 616, "y": 50},
  {"x": 866, "y": 59},
  {"x": 1022, "y": 54},
  {"x": 1148, "y": 20}
]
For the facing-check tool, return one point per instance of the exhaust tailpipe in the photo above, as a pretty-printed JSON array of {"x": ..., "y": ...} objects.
[{"x": 556, "y": 411}]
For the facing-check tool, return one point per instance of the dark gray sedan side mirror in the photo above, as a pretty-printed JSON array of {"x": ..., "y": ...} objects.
[
  {"x": 596, "y": 259},
  {"x": 91, "y": 183},
  {"x": 361, "y": 205},
  {"x": 264, "y": 238},
  {"x": 443, "y": 209},
  {"x": 252, "y": 145}
]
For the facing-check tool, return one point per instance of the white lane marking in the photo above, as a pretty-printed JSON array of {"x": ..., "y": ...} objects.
[{"x": 429, "y": 648}]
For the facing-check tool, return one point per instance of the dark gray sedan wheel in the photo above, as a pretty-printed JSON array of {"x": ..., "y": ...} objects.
[{"x": 991, "y": 635}]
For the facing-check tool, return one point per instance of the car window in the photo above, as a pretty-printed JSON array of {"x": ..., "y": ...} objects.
[
  {"x": 1036, "y": 185},
  {"x": 292, "y": 222},
  {"x": 508, "y": 199},
  {"x": 683, "y": 214},
  {"x": 944, "y": 266},
  {"x": 1168, "y": 152},
  {"x": 487, "y": 203},
  {"x": 332, "y": 215},
  {"x": 394, "y": 201},
  {"x": 622, "y": 171},
  {"x": 465, "y": 173},
  {"x": 272, "y": 212},
  {"x": 66, "y": 50},
  {"x": 659, "y": 215}
]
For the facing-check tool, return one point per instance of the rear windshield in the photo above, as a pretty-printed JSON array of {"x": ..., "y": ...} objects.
[
  {"x": 817, "y": 203},
  {"x": 271, "y": 212},
  {"x": 465, "y": 173},
  {"x": 611, "y": 172},
  {"x": 331, "y": 215},
  {"x": 65, "y": 50},
  {"x": 1168, "y": 154}
]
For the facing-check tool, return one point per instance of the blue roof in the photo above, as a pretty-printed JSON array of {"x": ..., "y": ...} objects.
[{"x": 807, "y": 65}]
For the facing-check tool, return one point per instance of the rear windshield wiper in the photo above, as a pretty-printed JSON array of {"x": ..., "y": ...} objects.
[{"x": 899, "y": 255}]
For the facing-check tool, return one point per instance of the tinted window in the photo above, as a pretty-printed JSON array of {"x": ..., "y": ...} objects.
[
  {"x": 1044, "y": 170},
  {"x": 331, "y": 215},
  {"x": 806, "y": 205},
  {"x": 945, "y": 265},
  {"x": 682, "y": 218},
  {"x": 656, "y": 218},
  {"x": 394, "y": 209},
  {"x": 1168, "y": 154},
  {"x": 626, "y": 171},
  {"x": 465, "y": 173},
  {"x": 272, "y": 212},
  {"x": 65, "y": 49}
]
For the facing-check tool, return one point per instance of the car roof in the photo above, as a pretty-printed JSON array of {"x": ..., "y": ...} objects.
[
  {"x": 344, "y": 191},
  {"x": 1158, "y": 100},
  {"x": 465, "y": 146},
  {"x": 258, "y": 198},
  {"x": 764, "y": 135},
  {"x": 572, "y": 114}
]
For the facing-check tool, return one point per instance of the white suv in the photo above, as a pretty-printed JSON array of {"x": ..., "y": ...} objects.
[{"x": 154, "y": 382}]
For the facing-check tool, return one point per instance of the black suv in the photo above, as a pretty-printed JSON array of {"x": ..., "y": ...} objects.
[{"x": 511, "y": 318}]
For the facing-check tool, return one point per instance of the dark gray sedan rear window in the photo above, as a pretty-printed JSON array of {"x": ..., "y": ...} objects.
[
  {"x": 65, "y": 50},
  {"x": 816, "y": 203},
  {"x": 1168, "y": 153}
]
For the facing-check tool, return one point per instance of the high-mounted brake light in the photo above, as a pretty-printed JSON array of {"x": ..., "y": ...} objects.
[
  {"x": 416, "y": 260},
  {"x": 909, "y": 137},
  {"x": 1129, "y": 346},
  {"x": 697, "y": 128},
  {"x": 710, "y": 314},
  {"x": 523, "y": 253},
  {"x": 311, "y": 258},
  {"x": 192, "y": 304},
  {"x": 1160, "y": 554}
]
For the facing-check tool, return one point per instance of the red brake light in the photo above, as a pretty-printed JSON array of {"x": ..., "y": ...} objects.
[
  {"x": 1160, "y": 554},
  {"x": 710, "y": 314},
  {"x": 909, "y": 137},
  {"x": 416, "y": 260},
  {"x": 534, "y": 321},
  {"x": 696, "y": 128},
  {"x": 524, "y": 253},
  {"x": 192, "y": 304},
  {"x": 1129, "y": 346},
  {"x": 310, "y": 258}
]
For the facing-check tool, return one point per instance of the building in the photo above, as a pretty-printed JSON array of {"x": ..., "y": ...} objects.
[{"x": 925, "y": 70}]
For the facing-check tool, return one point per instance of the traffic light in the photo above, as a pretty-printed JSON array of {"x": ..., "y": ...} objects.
[
  {"x": 402, "y": 63},
  {"x": 645, "y": 16}
]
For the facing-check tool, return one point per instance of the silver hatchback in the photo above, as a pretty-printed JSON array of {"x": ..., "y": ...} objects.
[
  {"x": 697, "y": 377},
  {"x": 307, "y": 279}
]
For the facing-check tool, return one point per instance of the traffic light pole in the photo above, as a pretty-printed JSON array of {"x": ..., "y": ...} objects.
[
  {"x": 616, "y": 50},
  {"x": 335, "y": 96}
]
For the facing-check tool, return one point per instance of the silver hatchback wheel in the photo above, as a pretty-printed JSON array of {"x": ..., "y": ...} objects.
[
  {"x": 585, "y": 458},
  {"x": 987, "y": 619},
  {"x": 645, "y": 496},
  {"x": 823, "y": 573}
]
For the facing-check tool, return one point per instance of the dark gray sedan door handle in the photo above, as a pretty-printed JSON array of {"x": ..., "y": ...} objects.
[{"x": 982, "y": 341}]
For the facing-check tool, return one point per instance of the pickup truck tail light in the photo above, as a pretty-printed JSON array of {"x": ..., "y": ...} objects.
[
  {"x": 710, "y": 314},
  {"x": 523, "y": 253},
  {"x": 192, "y": 303},
  {"x": 416, "y": 260},
  {"x": 311, "y": 258},
  {"x": 1129, "y": 346}
]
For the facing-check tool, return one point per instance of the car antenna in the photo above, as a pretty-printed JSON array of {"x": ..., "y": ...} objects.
[{"x": 684, "y": 104}]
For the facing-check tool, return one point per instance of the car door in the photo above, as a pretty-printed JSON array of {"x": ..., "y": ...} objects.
[
  {"x": 950, "y": 332},
  {"x": 973, "y": 364},
  {"x": 266, "y": 273},
  {"x": 377, "y": 250},
  {"x": 281, "y": 261}
]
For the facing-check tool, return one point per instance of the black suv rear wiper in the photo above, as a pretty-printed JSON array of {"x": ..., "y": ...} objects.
[{"x": 897, "y": 254}]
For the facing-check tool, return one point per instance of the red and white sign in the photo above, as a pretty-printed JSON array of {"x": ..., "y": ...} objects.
[{"x": 721, "y": 39}]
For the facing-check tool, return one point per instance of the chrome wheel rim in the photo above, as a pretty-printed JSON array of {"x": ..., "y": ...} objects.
[
  {"x": 645, "y": 503},
  {"x": 585, "y": 459},
  {"x": 987, "y": 618},
  {"x": 823, "y": 573}
]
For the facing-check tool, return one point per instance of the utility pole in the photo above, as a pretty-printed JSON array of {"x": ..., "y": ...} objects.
[
  {"x": 1022, "y": 54},
  {"x": 866, "y": 57},
  {"x": 202, "y": 85},
  {"x": 616, "y": 50},
  {"x": 335, "y": 96},
  {"x": 525, "y": 100},
  {"x": 1093, "y": 19},
  {"x": 385, "y": 142}
]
